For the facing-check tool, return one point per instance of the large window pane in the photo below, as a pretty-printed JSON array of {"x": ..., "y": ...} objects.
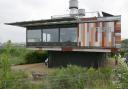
[
  {"x": 68, "y": 34},
  {"x": 51, "y": 35},
  {"x": 34, "y": 35}
]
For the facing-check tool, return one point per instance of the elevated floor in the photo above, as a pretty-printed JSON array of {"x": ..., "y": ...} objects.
[{"x": 73, "y": 49}]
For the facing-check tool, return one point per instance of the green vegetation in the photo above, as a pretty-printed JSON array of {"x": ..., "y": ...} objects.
[
  {"x": 10, "y": 79},
  {"x": 121, "y": 75},
  {"x": 71, "y": 77},
  {"x": 74, "y": 77},
  {"x": 5, "y": 70},
  {"x": 124, "y": 47},
  {"x": 20, "y": 55},
  {"x": 35, "y": 57}
]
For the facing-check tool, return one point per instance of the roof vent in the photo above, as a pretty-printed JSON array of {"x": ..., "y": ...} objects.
[
  {"x": 81, "y": 12},
  {"x": 73, "y": 6}
]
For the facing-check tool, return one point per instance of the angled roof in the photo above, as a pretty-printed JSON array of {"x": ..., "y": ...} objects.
[
  {"x": 43, "y": 22},
  {"x": 65, "y": 20},
  {"x": 106, "y": 14}
]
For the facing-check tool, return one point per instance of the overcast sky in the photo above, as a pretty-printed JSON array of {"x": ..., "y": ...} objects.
[{"x": 24, "y": 10}]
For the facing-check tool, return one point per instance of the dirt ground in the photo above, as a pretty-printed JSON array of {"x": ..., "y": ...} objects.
[
  {"x": 41, "y": 68},
  {"x": 29, "y": 68}
]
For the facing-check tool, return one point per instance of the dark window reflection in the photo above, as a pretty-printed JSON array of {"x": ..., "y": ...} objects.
[
  {"x": 51, "y": 35},
  {"x": 68, "y": 34}
]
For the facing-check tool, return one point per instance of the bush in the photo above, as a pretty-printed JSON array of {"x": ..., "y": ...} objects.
[
  {"x": 7, "y": 76},
  {"x": 67, "y": 78},
  {"x": 74, "y": 77},
  {"x": 35, "y": 57},
  {"x": 121, "y": 75},
  {"x": 15, "y": 80},
  {"x": 17, "y": 51},
  {"x": 16, "y": 54}
]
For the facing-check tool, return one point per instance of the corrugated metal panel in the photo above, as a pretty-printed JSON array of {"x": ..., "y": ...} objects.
[
  {"x": 111, "y": 24},
  {"x": 94, "y": 34},
  {"x": 113, "y": 39},
  {"x": 100, "y": 34},
  {"x": 91, "y": 33},
  {"x": 118, "y": 45},
  {"x": 109, "y": 29},
  {"x": 80, "y": 35},
  {"x": 117, "y": 34},
  {"x": 86, "y": 37},
  {"x": 118, "y": 39},
  {"x": 83, "y": 35},
  {"x": 103, "y": 36}
]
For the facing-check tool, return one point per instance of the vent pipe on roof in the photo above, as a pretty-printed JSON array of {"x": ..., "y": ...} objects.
[
  {"x": 73, "y": 6},
  {"x": 81, "y": 12}
]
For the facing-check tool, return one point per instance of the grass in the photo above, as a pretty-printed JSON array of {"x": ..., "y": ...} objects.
[
  {"x": 63, "y": 78},
  {"x": 71, "y": 77},
  {"x": 66, "y": 76}
]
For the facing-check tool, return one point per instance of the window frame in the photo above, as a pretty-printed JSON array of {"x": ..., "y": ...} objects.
[
  {"x": 27, "y": 37},
  {"x": 64, "y": 28},
  {"x": 46, "y": 36},
  {"x": 51, "y": 44}
]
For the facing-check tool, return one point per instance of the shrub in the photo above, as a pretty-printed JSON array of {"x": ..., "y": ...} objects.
[
  {"x": 67, "y": 78},
  {"x": 121, "y": 75},
  {"x": 16, "y": 53},
  {"x": 74, "y": 77},
  {"x": 15, "y": 80},
  {"x": 35, "y": 57}
]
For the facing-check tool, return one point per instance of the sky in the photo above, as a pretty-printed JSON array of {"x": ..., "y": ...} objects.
[{"x": 25, "y": 10}]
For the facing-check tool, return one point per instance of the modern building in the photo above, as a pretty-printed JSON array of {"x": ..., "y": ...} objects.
[{"x": 75, "y": 38}]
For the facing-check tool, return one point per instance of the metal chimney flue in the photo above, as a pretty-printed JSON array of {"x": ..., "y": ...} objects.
[{"x": 73, "y": 6}]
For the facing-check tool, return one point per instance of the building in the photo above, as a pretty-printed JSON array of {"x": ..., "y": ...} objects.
[{"x": 75, "y": 38}]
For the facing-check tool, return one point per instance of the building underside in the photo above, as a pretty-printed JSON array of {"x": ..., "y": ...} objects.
[{"x": 85, "y": 59}]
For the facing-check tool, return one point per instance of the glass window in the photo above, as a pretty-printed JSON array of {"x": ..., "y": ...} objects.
[
  {"x": 34, "y": 35},
  {"x": 51, "y": 35},
  {"x": 68, "y": 34}
]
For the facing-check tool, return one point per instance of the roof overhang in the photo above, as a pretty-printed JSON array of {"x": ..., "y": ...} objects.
[
  {"x": 43, "y": 22},
  {"x": 65, "y": 21}
]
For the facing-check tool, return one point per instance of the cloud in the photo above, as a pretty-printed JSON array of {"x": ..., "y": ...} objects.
[
  {"x": 23, "y": 10},
  {"x": 116, "y": 7}
]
